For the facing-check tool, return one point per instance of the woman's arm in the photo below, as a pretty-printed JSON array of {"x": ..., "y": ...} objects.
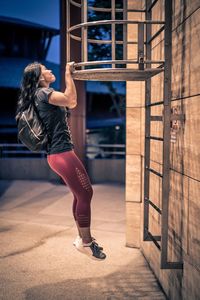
[{"x": 69, "y": 97}]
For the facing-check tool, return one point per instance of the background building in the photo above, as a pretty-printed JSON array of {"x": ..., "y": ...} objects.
[{"x": 21, "y": 42}]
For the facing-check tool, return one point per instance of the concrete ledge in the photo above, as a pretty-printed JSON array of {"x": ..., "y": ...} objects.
[
  {"x": 106, "y": 170},
  {"x": 26, "y": 168},
  {"x": 99, "y": 170}
]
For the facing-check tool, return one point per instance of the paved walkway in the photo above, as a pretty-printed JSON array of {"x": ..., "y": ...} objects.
[{"x": 38, "y": 260}]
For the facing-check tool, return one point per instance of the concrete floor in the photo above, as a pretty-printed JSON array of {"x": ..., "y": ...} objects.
[{"x": 38, "y": 260}]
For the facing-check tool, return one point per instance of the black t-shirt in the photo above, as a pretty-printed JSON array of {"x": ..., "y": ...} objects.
[{"x": 55, "y": 119}]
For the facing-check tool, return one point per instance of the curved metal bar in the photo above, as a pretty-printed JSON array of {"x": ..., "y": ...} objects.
[
  {"x": 101, "y": 9},
  {"x": 93, "y": 41},
  {"x": 104, "y": 42},
  {"x": 104, "y": 62},
  {"x": 119, "y": 62},
  {"x": 105, "y": 22},
  {"x": 75, "y": 37},
  {"x": 75, "y": 3}
]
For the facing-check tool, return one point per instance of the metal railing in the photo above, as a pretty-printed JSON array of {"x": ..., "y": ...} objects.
[
  {"x": 105, "y": 150},
  {"x": 14, "y": 150}
]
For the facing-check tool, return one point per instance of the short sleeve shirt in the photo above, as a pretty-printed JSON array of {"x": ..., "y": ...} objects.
[{"x": 55, "y": 119}]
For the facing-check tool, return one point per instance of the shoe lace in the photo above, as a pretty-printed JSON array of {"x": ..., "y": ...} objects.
[
  {"x": 100, "y": 247},
  {"x": 95, "y": 243},
  {"x": 95, "y": 248}
]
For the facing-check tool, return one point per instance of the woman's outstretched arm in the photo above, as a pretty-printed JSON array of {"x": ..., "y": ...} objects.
[{"x": 69, "y": 97}]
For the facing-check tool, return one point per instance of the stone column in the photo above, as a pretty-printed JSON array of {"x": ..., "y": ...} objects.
[
  {"x": 77, "y": 119},
  {"x": 134, "y": 110}
]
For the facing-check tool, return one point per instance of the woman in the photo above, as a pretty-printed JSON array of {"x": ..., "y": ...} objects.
[{"x": 52, "y": 107}]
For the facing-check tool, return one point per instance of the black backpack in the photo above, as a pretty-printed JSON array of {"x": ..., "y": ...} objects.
[{"x": 31, "y": 131}]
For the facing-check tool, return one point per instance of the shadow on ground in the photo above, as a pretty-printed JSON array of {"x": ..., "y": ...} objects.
[
  {"x": 127, "y": 283},
  {"x": 4, "y": 187}
]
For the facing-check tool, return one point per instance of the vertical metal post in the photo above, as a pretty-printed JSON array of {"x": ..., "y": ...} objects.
[
  {"x": 125, "y": 17},
  {"x": 141, "y": 46},
  {"x": 63, "y": 45},
  {"x": 68, "y": 26},
  {"x": 84, "y": 32},
  {"x": 147, "y": 128},
  {"x": 166, "y": 131},
  {"x": 113, "y": 31}
]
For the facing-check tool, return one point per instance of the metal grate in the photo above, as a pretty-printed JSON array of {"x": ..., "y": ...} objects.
[{"x": 109, "y": 70}]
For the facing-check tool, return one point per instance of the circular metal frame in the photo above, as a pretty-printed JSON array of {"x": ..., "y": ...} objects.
[{"x": 84, "y": 69}]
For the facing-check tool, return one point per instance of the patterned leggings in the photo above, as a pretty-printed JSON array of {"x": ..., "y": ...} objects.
[{"x": 69, "y": 167}]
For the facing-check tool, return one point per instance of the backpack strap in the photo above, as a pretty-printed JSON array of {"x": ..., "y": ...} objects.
[{"x": 34, "y": 103}]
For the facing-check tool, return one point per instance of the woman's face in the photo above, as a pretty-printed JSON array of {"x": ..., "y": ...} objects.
[{"x": 47, "y": 75}]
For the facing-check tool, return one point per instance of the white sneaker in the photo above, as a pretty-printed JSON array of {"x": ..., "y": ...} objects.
[
  {"x": 91, "y": 249},
  {"x": 76, "y": 241},
  {"x": 79, "y": 240}
]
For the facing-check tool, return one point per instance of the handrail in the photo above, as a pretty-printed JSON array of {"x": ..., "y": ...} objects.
[
  {"x": 105, "y": 22},
  {"x": 107, "y": 145},
  {"x": 6, "y": 150},
  {"x": 105, "y": 151},
  {"x": 89, "y": 145}
]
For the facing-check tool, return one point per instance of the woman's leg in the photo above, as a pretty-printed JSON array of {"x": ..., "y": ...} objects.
[
  {"x": 71, "y": 169},
  {"x": 75, "y": 201},
  {"x": 77, "y": 225}
]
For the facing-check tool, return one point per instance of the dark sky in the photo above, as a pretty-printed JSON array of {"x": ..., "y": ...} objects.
[{"x": 45, "y": 12}]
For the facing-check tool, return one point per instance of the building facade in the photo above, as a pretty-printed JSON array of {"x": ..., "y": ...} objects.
[{"x": 184, "y": 207}]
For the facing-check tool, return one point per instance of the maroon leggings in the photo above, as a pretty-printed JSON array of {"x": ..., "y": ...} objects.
[{"x": 69, "y": 167}]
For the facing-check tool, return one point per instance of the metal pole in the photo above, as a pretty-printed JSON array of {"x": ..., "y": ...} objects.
[
  {"x": 84, "y": 32},
  {"x": 166, "y": 132},
  {"x": 63, "y": 43},
  {"x": 125, "y": 16},
  {"x": 113, "y": 31},
  {"x": 147, "y": 128},
  {"x": 68, "y": 26}
]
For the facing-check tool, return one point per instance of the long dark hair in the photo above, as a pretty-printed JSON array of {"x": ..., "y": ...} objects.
[{"x": 29, "y": 85}]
